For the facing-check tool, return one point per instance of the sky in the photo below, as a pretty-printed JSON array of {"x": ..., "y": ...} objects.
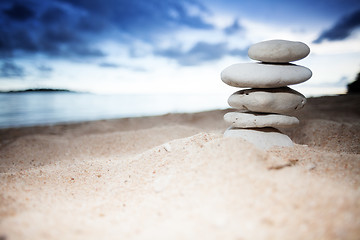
[{"x": 168, "y": 46}]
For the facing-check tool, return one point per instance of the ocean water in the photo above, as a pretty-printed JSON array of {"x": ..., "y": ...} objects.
[{"x": 44, "y": 108}]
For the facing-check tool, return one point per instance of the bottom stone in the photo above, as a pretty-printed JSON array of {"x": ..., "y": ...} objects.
[{"x": 263, "y": 138}]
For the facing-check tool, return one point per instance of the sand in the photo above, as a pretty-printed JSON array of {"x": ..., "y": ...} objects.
[{"x": 176, "y": 177}]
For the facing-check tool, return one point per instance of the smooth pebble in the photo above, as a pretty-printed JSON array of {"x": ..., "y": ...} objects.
[
  {"x": 270, "y": 100},
  {"x": 253, "y": 120},
  {"x": 262, "y": 138},
  {"x": 278, "y": 51},
  {"x": 261, "y": 75}
]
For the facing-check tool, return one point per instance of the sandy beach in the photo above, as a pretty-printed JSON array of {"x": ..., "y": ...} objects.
[{"x": 175, "y": 177}]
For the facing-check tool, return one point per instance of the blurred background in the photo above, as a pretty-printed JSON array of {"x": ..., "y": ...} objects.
[{"x": 117, "y": 58}]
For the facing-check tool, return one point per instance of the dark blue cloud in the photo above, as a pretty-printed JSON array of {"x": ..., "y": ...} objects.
[
  {"x": 109, "y": 65},
  {"x": 307, "y": 14},
  {"x": 115, "y": 65},
  {"x": 19, "y": 12},
  {"x": 200, "y": 52},
  {"x": 52, "y": 15},
  {"x": 71, "y": 28},
  {"x": 11, "y": 70},
  {"x": 51, "y": 32},
  {"x": 144, "y": 17},
  {"x": 342, "y": 28},
  {"x": 233, "y": 28},
  {"x": 45, "y": 69}
]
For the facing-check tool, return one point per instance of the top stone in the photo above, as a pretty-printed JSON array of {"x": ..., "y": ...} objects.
[{"x": 278, "y": 51}]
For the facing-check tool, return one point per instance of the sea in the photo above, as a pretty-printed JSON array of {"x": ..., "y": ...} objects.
[
  {"x": 33, "y": 108},
  {"x": 47, "y": 108}
]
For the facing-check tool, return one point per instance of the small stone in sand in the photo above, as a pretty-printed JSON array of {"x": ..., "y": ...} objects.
[
  {"x": 167, "y": 147},
  {"x": 311, "y": 166}
]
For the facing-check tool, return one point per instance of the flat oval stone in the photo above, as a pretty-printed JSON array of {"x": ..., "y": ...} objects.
[
  {"x": 267, "y": 100},
  {"x": 262, "y": 138},
  {"x": 254, "y": 120},
  {"x": 278, "y": 51},
  {"x": 261, "y": 75}
]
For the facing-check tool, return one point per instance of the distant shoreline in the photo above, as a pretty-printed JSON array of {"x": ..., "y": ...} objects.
[{"x": 37, "y": 90}]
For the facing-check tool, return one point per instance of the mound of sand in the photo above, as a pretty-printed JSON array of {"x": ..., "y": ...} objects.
[{"x": 176, "y": 177}]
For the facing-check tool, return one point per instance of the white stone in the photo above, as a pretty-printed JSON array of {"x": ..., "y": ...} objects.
[
  {"x": 262, "y": 138},
  {"x": 268, "y": 100},
  {"x": 167, "y": 147},
  {"x": 278, "y": 51},
  {"x": 253, "y": 120},
  {"x": 261, "y": 75},
  {"x": 310, "y": 166}
]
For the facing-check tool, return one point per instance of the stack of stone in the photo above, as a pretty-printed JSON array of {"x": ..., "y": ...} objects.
[{"x": 265, "y": 106}]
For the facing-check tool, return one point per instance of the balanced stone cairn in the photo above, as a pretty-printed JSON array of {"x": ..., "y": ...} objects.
[{"x": 262, "y": 108}]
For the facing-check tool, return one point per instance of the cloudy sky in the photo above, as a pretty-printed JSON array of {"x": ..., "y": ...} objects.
[{"x": 157, "y": 46}]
